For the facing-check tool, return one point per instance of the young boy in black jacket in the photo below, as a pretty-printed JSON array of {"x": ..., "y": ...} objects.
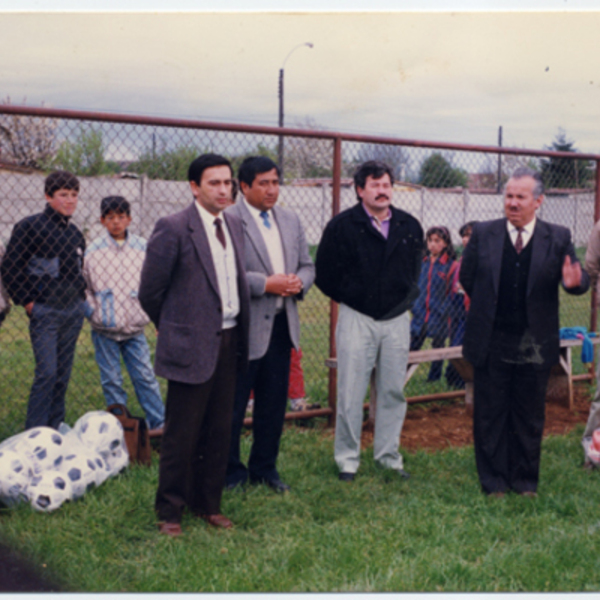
[{"x": 42, "y": 271}]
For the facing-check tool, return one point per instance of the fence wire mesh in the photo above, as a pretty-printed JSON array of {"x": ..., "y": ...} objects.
[{"x": 147, "y": 162}]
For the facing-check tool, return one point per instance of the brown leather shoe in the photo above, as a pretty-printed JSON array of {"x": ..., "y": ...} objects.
[
  {"x": 496, "y": 495},
  {"x": 217, "y": 521},
  {"x": 170, "y": 529},
  {"x": 529, "y": 494}
]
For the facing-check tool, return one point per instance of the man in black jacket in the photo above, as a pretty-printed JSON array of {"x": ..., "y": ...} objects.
[
  {"x": 511, "y": 269},
  {"x": 369, "y": 261},
  {"x": 42, "y": 271}
]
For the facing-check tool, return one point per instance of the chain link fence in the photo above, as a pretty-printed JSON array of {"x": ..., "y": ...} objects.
[{"x": 145, "y": 161}]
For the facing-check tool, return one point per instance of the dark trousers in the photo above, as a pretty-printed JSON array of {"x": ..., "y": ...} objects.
[
  {"x": 54, "y": 333},
  {"x": 268, "y": 377},
  {"x": 195, "y": 443},
  {"x": 508, "y": 421},
  {"x": 437, "y": 341}
]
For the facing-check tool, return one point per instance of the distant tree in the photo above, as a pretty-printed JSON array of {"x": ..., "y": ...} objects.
[
  {"x": 171, "y": 165},
  {"x": 84, "y": 156},
  {"x": 565, "y": 172},
  {"x": 437, "y": 172},
  {"x": 27, "y": 141},
  {"x": 393, "y": 156},
  {"x": 308, "y": 157},
  {"x": 260, "y": 150},
  {"x": 509, "y": 162}
]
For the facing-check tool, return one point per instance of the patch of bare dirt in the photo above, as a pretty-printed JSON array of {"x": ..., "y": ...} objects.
[
  {"x": 435, "y": 427},
  {"x": 19, "y": 575}
]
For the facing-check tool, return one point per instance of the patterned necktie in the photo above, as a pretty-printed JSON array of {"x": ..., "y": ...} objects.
[
  {"x": 519, "y": 240},
  {"x": 220, "y": 234},
  {"x": 265, "y": 217}
]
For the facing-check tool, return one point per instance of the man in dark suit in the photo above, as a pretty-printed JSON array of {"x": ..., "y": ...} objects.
[
  {"x": 280, "y": 272},
  {"x": 194, "y": 289},
  {"x": 511, "y": 269}
]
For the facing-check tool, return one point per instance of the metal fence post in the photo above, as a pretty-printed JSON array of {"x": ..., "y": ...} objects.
[
  {"x": 594, "y": 307},
  {"x": 333, "y": 310}
]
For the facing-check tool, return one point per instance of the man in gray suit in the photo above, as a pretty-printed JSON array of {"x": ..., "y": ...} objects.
[
  {"x": 279, "y": 271},
  {"x": 194, "y": 288}
]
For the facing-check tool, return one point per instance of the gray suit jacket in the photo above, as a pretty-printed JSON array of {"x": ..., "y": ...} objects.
[
  {"x": 180, "y": 293},
  {"x": 258, "y": 268}
]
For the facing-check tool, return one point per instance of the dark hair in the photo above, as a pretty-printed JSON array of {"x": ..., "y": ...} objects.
[
  {"x": 444, "y": 233},
  {"x": 252, "y": 166},
  {"x": 235, "y": 188},
  {"x": 116, "y": 204},
  {"x": 467, "y": 228},
  {"x": 60, "y": 180},
  {"x": 372, "y": 168},
  {"x": 206, "y": 161},
  {"x": 538, "y": 188}
]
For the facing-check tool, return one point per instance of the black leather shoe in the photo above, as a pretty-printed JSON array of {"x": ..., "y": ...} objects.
[
  {"x": 344, "y": 476},
  {"x": 278, "y": 485},
  {"x": 274, "y": 484},
  {"x": 237, "y": 486},
  {"x": 402, "y": 473}
]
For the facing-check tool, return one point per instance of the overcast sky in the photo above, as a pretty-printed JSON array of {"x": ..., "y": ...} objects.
[{"x": 426, "y": 75}]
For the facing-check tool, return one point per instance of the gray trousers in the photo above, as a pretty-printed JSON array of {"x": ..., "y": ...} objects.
[{"x": 363, "y": 343}]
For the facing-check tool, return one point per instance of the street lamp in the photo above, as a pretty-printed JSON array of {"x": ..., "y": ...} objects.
[{"x": 280, "y": 148}]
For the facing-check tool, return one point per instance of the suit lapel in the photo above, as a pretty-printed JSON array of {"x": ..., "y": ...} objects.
[
  {"x": 202, "y": 245},
  {"x": 496, "y": 247},
  {"x": 254, "y": 236},
  {"x": 539, "y": 250},
  {"x": 288, "y": 238},
  {"x": 238, "y": 243}
]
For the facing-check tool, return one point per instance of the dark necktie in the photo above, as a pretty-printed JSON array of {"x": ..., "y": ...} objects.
[
  {"x": 265, "y": 218},
  {"x": 220, "y": 234},
  {"x": 519, "y": 240}
]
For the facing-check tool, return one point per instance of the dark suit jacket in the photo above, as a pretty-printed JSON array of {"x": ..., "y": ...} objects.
[
  {"x": 180, "y": 293},
  {"x": 480, "y": 277}
]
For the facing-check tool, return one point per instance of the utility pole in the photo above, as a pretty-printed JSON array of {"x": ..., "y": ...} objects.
[{"x": 499, "y": 190}]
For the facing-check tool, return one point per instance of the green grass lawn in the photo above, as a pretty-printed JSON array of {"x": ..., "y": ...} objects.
[
  {"x": 435, "y": 532},
  {"x": 85, "y": 394}
]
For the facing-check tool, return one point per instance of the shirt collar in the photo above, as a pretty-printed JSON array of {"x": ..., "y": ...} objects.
[
  {"x": 255, "y": 212},
  {"x": 54, "y": 215},
  {"x": 527, "y": 229},
  {"x": 207, "y": 217},
  {"x": 373, "y": 217}
]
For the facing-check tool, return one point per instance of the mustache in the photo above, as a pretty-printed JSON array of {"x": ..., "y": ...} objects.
[{"x": 382, "y": 196}]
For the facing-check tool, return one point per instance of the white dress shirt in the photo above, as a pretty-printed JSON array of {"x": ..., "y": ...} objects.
[
  {"x": 224, "y": 263},
  {"x": 526, "y": 232},
  {"x": 272, "y": 239}
]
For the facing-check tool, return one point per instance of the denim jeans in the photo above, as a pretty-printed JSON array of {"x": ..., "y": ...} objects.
[
  {"x": 54, "y": 333},
  {"x": 136, "y": 356}
]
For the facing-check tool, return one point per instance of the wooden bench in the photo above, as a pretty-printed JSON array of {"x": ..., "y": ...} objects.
[{"x": 560, "y": 385}]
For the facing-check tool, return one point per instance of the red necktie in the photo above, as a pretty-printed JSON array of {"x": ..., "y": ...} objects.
[
  {"x": 519, "y": 240},
  {"x": 220, "y": 234}
]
